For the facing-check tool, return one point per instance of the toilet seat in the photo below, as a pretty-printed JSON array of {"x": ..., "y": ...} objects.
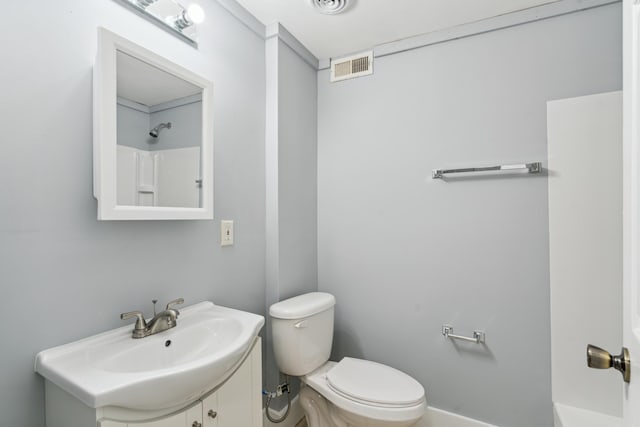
[
  {"x": 372, "y": 383},
  {"x": 374, "y": 404}
]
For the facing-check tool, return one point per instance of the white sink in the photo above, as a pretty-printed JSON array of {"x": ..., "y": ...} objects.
[{"x": 160, "y": 371}]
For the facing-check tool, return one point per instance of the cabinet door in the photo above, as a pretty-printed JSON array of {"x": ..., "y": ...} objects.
[
  {"x": 210, "y": 411},
  {"x": 192, "y": 417},
  {"x": 234, "y": 399},
  {"x": 239, "y": 400}
]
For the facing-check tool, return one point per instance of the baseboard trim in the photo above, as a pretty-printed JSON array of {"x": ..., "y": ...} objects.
[{"x": 295, "y": 415}]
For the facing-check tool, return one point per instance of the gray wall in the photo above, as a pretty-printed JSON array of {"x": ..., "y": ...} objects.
[
  {"x": 64, "y": 274},
  {"x": 297, "y": 154},
  {"x": 404, "y": 254},
  {"x": 291, "y": 181}
]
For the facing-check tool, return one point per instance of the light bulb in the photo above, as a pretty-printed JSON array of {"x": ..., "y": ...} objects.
[{"x": 195, "y": 12}]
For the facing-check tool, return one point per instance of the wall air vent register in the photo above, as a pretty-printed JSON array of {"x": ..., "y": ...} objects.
[{"x": 352, "y": 66}]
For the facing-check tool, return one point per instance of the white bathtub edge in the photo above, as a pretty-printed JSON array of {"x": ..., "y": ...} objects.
[
  {"x": 570, "y": 416},
  {"x": 438, "y": 418}
]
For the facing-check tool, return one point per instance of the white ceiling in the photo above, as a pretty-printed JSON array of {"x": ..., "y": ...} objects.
[
  {"x": 368, "y": 23},
  {"x": 145, "y": 84}
]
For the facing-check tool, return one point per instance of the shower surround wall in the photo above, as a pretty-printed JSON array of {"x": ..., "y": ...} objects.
[
  {"x": 170, "y": 162},
  {"x": 64, "y": 274},
  {"x": 405, "y": 254},
  {"x": 585, "y": 252}
]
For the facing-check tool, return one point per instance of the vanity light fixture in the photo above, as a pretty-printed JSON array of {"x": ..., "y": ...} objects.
[
  {"x": 192, "y": 15},
  {"x": 181, "y": 21},
  {"x": 170, "y": 15},
  {"x": 145, "y": 3},
  {"x": 196, "y": 13}
]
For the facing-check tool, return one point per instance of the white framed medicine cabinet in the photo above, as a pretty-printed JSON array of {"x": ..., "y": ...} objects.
[{"x": 153, "y": 135}]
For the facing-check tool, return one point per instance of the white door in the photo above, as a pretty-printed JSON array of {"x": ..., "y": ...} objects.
[{"x": 631, "y": 208}]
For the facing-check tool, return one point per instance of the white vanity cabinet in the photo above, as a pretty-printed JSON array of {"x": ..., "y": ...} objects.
[
  {"x": 224, "y": 409},
  {"x": 235, "y": 403},
  {"x": 191, "y": 417}
]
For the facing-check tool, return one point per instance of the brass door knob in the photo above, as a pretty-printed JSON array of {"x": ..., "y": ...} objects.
[
  {"x": 212, "y": 413},
  {"x": 598, "y": 358}
]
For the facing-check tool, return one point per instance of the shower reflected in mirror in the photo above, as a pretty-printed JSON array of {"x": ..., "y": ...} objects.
[
  {"x": 156, "y": 130},
  {"x": 159, "y": 136}
]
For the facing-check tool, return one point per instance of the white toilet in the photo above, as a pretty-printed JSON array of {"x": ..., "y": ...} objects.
[{"x": 349, "y": 393}]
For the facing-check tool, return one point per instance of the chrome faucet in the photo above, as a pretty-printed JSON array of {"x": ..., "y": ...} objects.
[{"x": 162, "y": 321}]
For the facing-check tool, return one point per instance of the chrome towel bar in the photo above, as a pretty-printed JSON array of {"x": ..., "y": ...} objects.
[
  {"x": 534, "y": 167},
  {"x": 478, "y": 336}
]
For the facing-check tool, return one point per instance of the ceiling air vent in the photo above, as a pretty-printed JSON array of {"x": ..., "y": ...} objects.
[
  {"x": 352, "y": 66},
  {"x": 330, "y": 7}
]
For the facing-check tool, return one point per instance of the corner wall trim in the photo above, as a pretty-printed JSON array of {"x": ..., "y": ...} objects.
[
  {"x": 533, "y": 14},
  {"x": 277, "y": 30},
  {"x": 268, "y": 31}
]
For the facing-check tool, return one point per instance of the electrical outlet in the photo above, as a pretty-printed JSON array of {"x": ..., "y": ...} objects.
[{"x": 226, "y": 233}]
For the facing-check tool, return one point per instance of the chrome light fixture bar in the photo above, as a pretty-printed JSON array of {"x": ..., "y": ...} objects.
[
  {"x": 181, "y": 21},
  {"x": 144, "y": 3},
  {"x": 170, "y": 16}
]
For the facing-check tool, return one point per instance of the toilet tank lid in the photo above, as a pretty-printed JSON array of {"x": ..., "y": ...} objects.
[{"x": 302, "y": 306}]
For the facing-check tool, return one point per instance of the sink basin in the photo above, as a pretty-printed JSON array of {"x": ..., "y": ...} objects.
[{"x": 164, "y": 370}]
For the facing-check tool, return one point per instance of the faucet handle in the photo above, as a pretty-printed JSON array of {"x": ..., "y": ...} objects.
[
  {"x": 174, "y": 302},
  {"x": 141, "y": 324}
]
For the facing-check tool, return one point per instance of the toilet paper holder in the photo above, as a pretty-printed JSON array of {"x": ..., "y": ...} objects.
[{"x": 478, "y": 336}]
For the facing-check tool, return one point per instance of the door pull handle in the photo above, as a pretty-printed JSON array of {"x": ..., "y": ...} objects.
[{"x": 598, "y": 358}]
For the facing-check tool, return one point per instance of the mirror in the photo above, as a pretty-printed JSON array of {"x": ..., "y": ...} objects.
[
  {"x": 159, "y": 134},
  {"x": 153, "y": 135}
]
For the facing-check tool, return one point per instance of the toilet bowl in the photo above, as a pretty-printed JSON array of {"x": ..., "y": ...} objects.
[
  {"x": 349, "y": 393},
  {"x": 361, "y": 393}
]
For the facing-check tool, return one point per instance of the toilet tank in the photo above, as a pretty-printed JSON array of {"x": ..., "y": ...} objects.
[{"x": 302, "y": 332}]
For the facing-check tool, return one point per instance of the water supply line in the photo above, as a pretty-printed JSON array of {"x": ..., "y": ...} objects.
[{"x": 280, "y": 390}]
